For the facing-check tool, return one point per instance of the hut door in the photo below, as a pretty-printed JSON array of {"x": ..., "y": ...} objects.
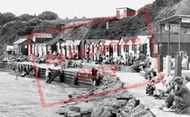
[{"x": 110, "y": 50}]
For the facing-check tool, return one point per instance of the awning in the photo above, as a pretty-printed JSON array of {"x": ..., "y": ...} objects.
[
  {"x": 77, "y": 42},
  {"x": 114, "y": 42},
  {"x": 20, "y": 41},
  {"x": 107, "y": 42},
  {"x": 144, "y": 39},
  {"x": 69, "y": 42},
  {"x": 141, "y": 40},
  {"x": 125, "y": 41}
]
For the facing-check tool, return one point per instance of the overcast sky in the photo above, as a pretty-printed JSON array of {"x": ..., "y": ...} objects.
[{"x": 70, "y": 8}]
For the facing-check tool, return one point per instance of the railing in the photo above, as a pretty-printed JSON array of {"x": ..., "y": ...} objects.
[{"x": 53, "y": 76}]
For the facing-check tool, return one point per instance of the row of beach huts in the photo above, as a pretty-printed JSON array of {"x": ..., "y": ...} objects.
[{"x": 43, "y": 43}]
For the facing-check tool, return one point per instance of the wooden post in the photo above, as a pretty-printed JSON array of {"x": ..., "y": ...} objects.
[
  {"x": 178, "y": 58},
  {"x": 61, "y": 76},
  {"x": 179, "y": 42},
  {"x": 160, "y": 49},
  {"x": 178, "y": 65},
  {"x": 169, "y": 40}
]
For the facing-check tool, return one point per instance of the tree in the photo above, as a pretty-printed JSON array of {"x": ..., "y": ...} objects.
[
  {"x": 7, "y": 17},
  {"x": 25, "y": 17},
  {"x": 48, "y": 15}
]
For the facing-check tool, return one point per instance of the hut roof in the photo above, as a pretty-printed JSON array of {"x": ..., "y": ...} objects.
[{"x": 19, "y": 41}]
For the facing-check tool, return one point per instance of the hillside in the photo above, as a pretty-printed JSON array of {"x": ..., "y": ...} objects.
[
  {"x": 131, "y": 26},
  {"x": 12, "y": 27}
]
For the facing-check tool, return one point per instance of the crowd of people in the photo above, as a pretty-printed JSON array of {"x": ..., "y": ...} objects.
[{"x": 175, "y": 91}]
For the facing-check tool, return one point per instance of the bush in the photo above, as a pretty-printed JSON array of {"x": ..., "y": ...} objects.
[{"x": 48, "y": 15}]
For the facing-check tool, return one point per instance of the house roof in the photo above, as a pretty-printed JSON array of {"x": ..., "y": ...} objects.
[
  {"x": 42, "y": 35},
  {"x": 135, "y": 40},
  {"x": 53, "y": 41},
  {"x": 174, "y": 19},
  {"x": 111, "y": 42},
  {"x": 19, "y": 41}
]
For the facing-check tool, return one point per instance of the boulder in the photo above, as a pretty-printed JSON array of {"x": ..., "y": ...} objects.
[
  {"x": 73, "y": 114},
  {"x": 73, "y": 108},
  {"x": 96, "y": 112},
  {"x": 105, "y": 113}
]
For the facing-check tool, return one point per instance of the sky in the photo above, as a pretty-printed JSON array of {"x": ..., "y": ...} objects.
[{"x": 70, "y": 8}]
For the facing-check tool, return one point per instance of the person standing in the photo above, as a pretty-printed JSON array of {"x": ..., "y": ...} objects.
[
  {"x": 48, "y": 73},
  {"x": 94, "y": 76}
]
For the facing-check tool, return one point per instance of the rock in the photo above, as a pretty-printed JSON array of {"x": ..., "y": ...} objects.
[
  {"x": 109, "y": 108},
  {"x": 73, "y": 114},
  {"x": 149, "y": 114},
  {"x": 86, "y": 110},
  {"x": 130, "y": 105},
  {"x": 119, "y": 103},
  {"x": 75, "y": 109},
  {"x": 124, "y": 96},
  {"x": 100, "y": 111},
  {"x": 87, "y": 115},
  {"x": 140, "y": 111},
  {"x": 96, "y": 112},
  {"x": 105, "y": 113}
]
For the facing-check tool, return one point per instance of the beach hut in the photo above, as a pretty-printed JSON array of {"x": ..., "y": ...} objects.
[
  {"x": 82, "y": 52},
  {"x": 107, "y": 48},
  {"x": 125, "y": 46},
  {"x": 40, "y": 40},
  {"x": 52, "y": 46},
  {"x": 141, "y": 44},
  {"x": 21, "y": 46},
  {"x": 90, "y": 45},
  {"x": 97, "y": 49},
  {"x": 111, "y": 48},
  {"x": 77, "y": 47},
  {"x": 69, "y": 48}
]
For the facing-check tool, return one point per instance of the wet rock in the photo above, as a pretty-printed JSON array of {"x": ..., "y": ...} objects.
[
  {"x": 124, "y": 96},
  {"x": 73, "y": 114},
  {"x": 73, "y": 108}
]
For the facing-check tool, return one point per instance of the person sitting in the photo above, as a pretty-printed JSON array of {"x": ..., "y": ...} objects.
[
  {"x": 182, "y": 97},
  {"x": 115, "y": 60},
  {"x": 122, "y": 61},
  {"x": 187, "y": 82},
  {"x": 179, "y": 98}
]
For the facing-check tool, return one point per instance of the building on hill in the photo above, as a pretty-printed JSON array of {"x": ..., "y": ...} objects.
[
  {"x": 124, "y": 12},
  {"x": 9, "y": 49}
]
